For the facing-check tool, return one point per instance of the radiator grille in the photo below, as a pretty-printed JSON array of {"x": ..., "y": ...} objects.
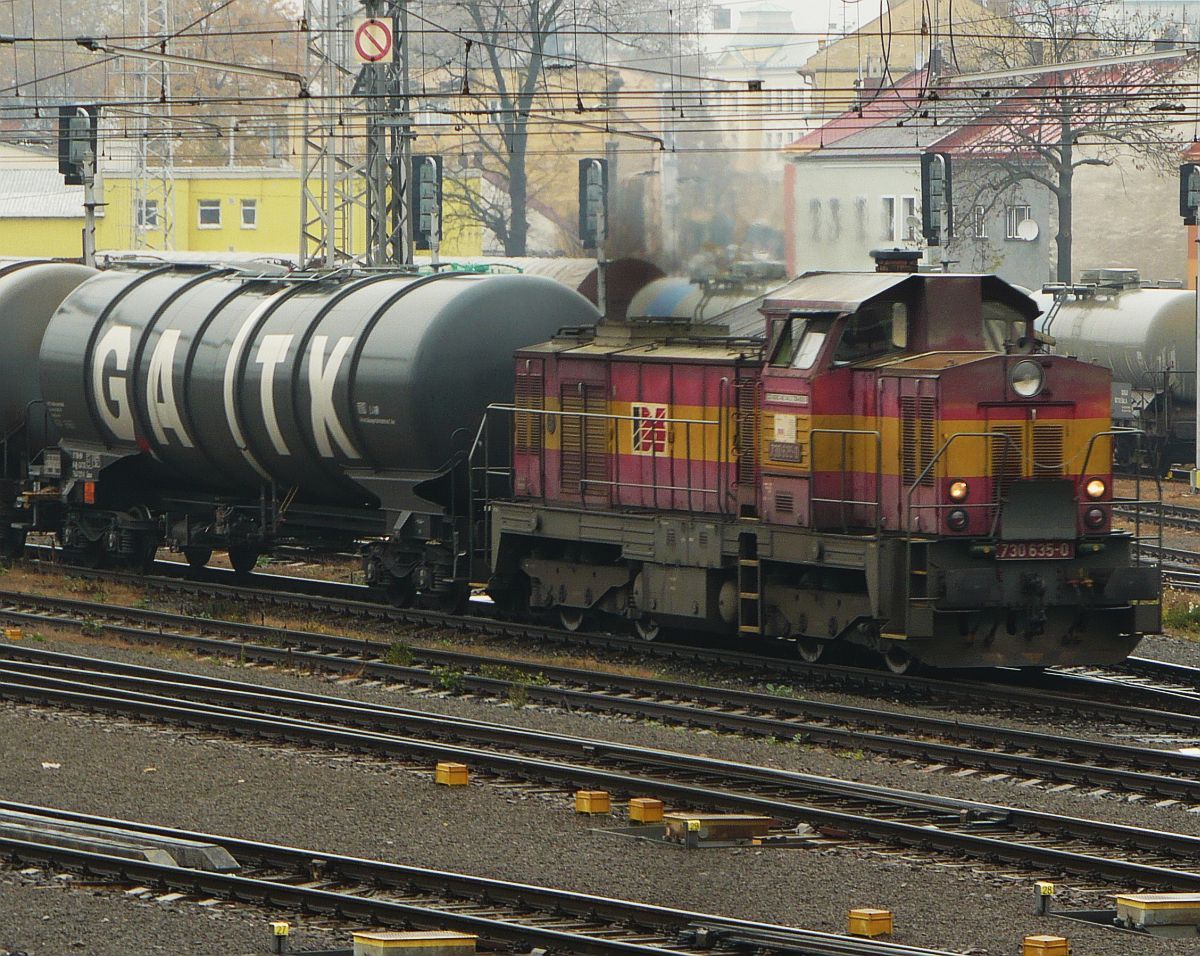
[
  {"x": 785, "y": 502},
  {"x": 584, "y": 440},
  {"x": 918, "y": 436},
  {"x": 528, "y": 430},
  {"x": 1007, "y": 456},
  {"x": 746, "y": 436},
  {"x": 1047, "y": 451}
]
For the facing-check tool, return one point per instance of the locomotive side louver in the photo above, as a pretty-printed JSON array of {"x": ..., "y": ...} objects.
[
  {"x": 1007, "y": 457},
  {"x": 917, "y": 438},
  {"x": 1047, "y": 450}
]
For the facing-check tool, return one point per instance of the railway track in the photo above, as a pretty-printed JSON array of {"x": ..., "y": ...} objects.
[
  {"x": 838, "y": 810},
  {"x": 505, "y": 915},
  {"x": 928, "y": 739}
]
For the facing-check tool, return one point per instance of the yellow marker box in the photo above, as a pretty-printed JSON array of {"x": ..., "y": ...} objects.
[
  {"x": 451, "y": 774},
  {"x": 868, "y": 922},
  {"x": 592, "y": 801}
]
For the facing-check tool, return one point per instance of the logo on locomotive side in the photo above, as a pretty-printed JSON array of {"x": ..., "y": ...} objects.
[{"x": 111, "y": 388}]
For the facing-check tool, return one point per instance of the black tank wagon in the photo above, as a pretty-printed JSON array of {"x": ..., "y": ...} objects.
[{"x": 248, "y": 410}]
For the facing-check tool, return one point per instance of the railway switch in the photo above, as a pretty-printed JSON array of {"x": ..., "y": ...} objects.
[
  {"x": 414, "y": 943},
  {"x": 869, "y": 922}
]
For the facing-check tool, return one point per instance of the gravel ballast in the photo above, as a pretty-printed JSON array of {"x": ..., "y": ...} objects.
[{"x": 345, "y": 804}]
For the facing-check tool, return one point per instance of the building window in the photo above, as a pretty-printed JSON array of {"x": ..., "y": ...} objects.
[
  {"x": 835, "y": 219},
  {"x": 1016, "y": 216},
  {"x": 980, "y": 223},
  {"x": 814, "y": 218},
  {"x": 909, "y": 226},
  {"x": 249, "y": 214},
  {"x": 209, "y": 214},
  {"x": 860, "y": 217},
  {"x": 888, "y": 219},
  {"x": 147, "y": 214}
]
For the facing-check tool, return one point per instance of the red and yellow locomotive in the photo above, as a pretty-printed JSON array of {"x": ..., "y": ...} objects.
[{"x": 894, "y": 465}]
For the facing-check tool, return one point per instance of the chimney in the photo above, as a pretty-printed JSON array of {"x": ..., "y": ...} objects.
[{"x": 896, "y": 260}]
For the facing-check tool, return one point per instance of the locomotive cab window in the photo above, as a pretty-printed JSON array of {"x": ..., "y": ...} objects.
[
  {"x": 1004, "y": 328},
  {"x": 798, "y": 340},
  {"x": 875, "y": 329}
]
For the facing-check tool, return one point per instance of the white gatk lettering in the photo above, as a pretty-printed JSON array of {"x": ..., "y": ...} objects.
[
  {"x": 113, "y": 390},
  {"x": 271, "y": 353},
  {"x": 161, "y": 407},
  {"x": 322, "y": 376}
]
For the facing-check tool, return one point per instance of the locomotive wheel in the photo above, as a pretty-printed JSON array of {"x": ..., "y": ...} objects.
[
  {"x": 571, "y": 618},
  {"x": 810, "y": 649},
  {"x": 243, "y": 559},
  {"x": 197, "y": 558},
  {"x": 647, "y": 628}
]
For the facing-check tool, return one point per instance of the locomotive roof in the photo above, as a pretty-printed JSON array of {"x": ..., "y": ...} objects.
[{"x": 848, "y": 291}]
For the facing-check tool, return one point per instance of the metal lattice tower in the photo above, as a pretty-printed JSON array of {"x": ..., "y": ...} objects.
[
  {"x": 154, "y": 173},
  {"x": 333, "y": 190},
  {"x": 355, "y": 148}
]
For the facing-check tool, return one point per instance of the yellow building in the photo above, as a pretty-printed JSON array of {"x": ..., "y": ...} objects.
[{"x": 215, "y": 210}]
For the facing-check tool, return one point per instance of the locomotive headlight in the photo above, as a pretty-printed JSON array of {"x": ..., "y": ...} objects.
[
  {"x": 957, "y": 519},
  {"x": 1094, "y": 517},
  {"x": 1096, "y": 488},
  {"x": 1027, "y": 378},
  {"x": 958, "y": 490}
]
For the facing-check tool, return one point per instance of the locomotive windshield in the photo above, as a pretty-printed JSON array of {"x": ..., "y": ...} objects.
[
  {"x": 798, "y": 340},
  {"x": 875, "y": 329},
  {"x": 1003, "y": 326}
]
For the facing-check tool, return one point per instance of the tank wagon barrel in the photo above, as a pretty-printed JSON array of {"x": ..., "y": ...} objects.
[
  {"x": 350, "y": 389},
  {"x": 1147, "y": 337}
]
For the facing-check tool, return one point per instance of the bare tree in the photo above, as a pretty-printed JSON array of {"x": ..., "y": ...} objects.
[{"x": 1048, "y": 126}]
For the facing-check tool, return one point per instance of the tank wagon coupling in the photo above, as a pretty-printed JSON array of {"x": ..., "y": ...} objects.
[
  {"x": 895, "y": 463},
  {"x": 207, "y": 409}
]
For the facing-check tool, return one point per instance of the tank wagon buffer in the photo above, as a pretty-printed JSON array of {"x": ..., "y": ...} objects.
[
  {"x": 220, "y": 411},
  {"x": 894, "y": 466}
]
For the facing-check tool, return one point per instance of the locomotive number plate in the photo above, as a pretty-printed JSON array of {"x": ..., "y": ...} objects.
[{"x": 1025, "y": 550}]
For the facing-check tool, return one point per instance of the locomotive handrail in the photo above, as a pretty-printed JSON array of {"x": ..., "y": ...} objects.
[
  {"x": 687, "y": 489},
  {"x": 1137, "y": 500},
  {"x": 842, "y": 501}
]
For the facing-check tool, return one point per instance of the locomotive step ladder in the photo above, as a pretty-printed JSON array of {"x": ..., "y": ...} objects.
[{"x": 749, "y": 585}]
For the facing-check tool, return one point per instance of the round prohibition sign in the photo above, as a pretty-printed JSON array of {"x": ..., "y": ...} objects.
[{"x": 373, "y": 40}]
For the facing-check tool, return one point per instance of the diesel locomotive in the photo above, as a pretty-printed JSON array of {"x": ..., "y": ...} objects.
[{"x": 887, "y": 461}]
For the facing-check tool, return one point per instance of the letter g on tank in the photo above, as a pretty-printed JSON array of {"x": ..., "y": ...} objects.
[{"x": 110, "y": 381}]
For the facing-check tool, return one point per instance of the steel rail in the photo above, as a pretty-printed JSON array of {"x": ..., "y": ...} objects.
[
  {"x": 1001, "y": 685},
  {"x": 762, "y": 715},
  {"x": 1031, "y": 840},
  {"x": 509, "y": 922}
]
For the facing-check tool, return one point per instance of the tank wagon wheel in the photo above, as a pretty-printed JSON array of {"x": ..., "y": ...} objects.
[
  {"x": 243, "y": 559},
  {"x": 647, "y": 628},
  {"x": 571, "y": 618},
  {"x": 197, "y": 558},
  {"x": 899, "y": 661},
  {"x": 810, "y": 649},
  {"x": 91, "y": 555},
  {"x": 13, "y": 545}
]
